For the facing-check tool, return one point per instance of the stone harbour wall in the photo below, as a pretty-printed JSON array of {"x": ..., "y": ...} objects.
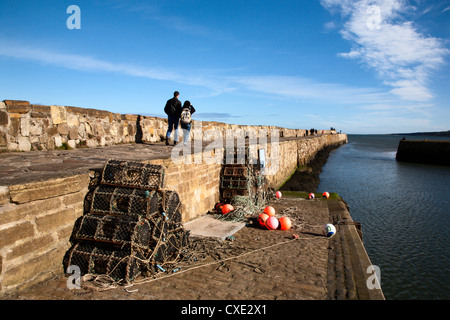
[
  {"x": 25, "y": 127},
  {"x": 37, "y": 218}
]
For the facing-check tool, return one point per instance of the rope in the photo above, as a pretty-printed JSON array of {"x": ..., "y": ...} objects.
[{"x": 216, "y": 262}]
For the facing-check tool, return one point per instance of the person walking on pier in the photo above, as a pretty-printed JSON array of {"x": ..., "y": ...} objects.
[
  {"x": 185, "y": 119},
  {"x": 173, "y": 111}
]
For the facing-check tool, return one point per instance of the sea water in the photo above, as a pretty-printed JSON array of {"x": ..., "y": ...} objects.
[{"x": 404, "y": 209}]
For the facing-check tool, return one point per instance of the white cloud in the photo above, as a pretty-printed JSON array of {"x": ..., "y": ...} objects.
[
  {"x": 402, "y": 57},
  {"x": 290, "y": 87}
]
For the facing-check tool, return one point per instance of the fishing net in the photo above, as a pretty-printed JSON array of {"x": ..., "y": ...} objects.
[
  {"x": 245, "y": 188},
  {"x": 133, "y": 174},
  {"x": 120, "y": 265}
]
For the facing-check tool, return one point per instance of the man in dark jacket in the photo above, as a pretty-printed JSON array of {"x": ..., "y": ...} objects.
[{"x": 173, "y": 111}]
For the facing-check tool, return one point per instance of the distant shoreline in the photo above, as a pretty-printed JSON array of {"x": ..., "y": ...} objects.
[{"x": 436, "y": 134}]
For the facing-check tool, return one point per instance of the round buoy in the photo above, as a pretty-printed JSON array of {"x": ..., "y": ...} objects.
[
  {"x": 262, "y": 219},
  {"x": 272, "y": 223},
  {"x": 311, "y": 195},
  {"x": 278, "y": 194},
  {"x": 270, "y": 211},
  {"x": 218, "y": 207},
  {"x": 329, "y": 230},
  {"x": 285, "y": 223},
  {"x": 326, "y": 195},
  {"x": 227, "y": 208}
]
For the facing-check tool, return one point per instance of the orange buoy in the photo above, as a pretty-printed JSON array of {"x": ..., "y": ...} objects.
[
  {"x": 278, "y": 194},
  {"x": 227, "y": 208},
  {"x": 272, "y": 223},
  {"x": 262, "y": 219},
  {"x": 311, "y": 195},
  {"x": 285, "y": 223},
  {"x": 326, "y": 195},
  {"x": 218, "y": 207},
  {"x": 270, "y": 211}
]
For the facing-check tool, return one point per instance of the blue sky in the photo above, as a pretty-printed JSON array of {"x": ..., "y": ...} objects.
[{"x": 368, "y": 66}]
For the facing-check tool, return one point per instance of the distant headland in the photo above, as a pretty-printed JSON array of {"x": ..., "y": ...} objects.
[{"x": 436, "y": 133}]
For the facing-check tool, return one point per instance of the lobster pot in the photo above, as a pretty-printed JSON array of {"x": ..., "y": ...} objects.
[
  {"x": 119, "y": 231},
  {"x": 121, "y": 201},
  {"x": 171, "y": 205},
  {"x": 133, "y": 174},
  {"x": 118, "y": 264}
]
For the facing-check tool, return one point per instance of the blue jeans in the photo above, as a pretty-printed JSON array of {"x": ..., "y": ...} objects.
[
  {"x": 173, "y": 123},
  {"x": 186, "y": 130}
]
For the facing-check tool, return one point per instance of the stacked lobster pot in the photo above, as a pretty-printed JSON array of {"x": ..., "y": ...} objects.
[
  {"x": 131, "y": 226},
  {"x": 241, "y": 179}
]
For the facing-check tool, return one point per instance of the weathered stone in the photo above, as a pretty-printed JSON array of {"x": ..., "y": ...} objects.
[
  {"x": 24, "y": 144},
  {"x": 36, "y": 129},
  {"x": 3, "y": 139},
  {"x": 72, "y": 120},
  {"x": 3, "y": 118},
  {"x": 58, "y": 114},
  {"x": 17, "y": 106},
  {"x": 16, "y": 232},
  {"x": 47, "y": 189},
  {"x": 33, "y": 246},
  {"x": 58, "y": 141},
  {"x": 4, "y": 195},
  {"x": 25, "y": 126},
  {"x": 76, "y": 111},
  {"x": 72, "y": 144},
  {"x": 97, "y": 113},
  {"x": 14, "y": 126},
  {"x": 39, "y": 269},
  {"x": 41, "y": 109},
  {"x": 51, "y": 131},
  {"x": 55, "y": 220},
  {"x": 63, "y": 129}
]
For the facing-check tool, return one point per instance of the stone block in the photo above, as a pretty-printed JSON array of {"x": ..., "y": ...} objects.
[
  {"x": 15, "y": 233},
  {"x": 56, "y": 220},
  {"x": 47, "y": 189},
  {"x": 58, "y": 141},
  {"x": 17, "y": 106},
  {"x": 63, "y": 128},
  {"x": 97, "y": 113},
  {"x": 4, "y": 195},
  {"x": 25, "y": 126},
  {"x": 11, "y": 212},
  {"x": 41, "y": 108},
  {"x": 4, "y": 118},
  {"x": 58, "y": 114},
  {"x": 24, "y": 144},
  {"x": 35, "y": 270},
  {"x": 72, "y": 120},
  {"x": 3, "y": 139},
  {"x": 33, "y": 246},
  {"x": 72, "y": 144},
  {"x": 36, "y": 129},
  {"x": 14, "y": 126}
]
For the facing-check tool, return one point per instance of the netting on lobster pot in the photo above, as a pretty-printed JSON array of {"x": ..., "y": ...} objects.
[
  {"x": 171, "y": 205},
  {"x": 122, "y": 201},
  {"x": 119, "y": 231},
  {"x": 120, "y": 265},
  {"x": 133, "y": 174}
]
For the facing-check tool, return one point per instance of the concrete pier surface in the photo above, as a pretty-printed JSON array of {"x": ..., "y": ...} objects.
[{"x": 255, "y": 263}]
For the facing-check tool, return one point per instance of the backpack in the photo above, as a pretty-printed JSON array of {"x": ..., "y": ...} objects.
[{"x": 185, "y": 116}]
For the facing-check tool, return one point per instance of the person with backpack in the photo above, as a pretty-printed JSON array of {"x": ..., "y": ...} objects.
[
  {"x": 173, "y": 111},
  {"x": 185, "y": 120}
]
